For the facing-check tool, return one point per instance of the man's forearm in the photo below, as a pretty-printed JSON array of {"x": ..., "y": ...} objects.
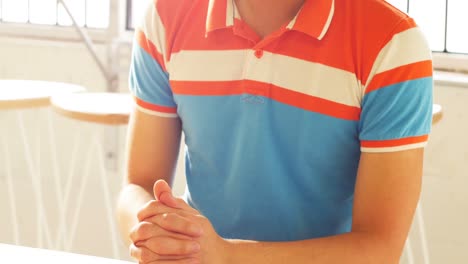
[
  {"x": 131, "y": 199},
  {"x": 354, "y": 247}
]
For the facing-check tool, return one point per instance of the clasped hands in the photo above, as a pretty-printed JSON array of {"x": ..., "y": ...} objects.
[{"x": 171, "y": 232}]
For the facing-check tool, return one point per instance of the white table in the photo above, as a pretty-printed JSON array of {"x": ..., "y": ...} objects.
[
  {"x": 21, "y": 94},
  {"x": 22, "y": 255}
]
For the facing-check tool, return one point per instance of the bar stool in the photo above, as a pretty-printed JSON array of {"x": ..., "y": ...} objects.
[
  {"x": 19, "y": 95},
  {"x": 437, "y": 115},
  {"x": 101, "y": 108},
  {"x": 111, "y": 110}
]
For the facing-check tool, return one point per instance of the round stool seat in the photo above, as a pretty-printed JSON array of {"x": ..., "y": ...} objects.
[
  {"x": 436, "y": 113},
  {"x": 18, "y": 94},
  {"x": 104, "y": 108}
]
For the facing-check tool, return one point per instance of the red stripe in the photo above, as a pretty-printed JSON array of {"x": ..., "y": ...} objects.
[
  {"x": 404, "y": 73},
  {"x": 156, "y": 108},
  {"x": 315, "y": 104},
  {"x": 409, "y": 23},
  {"x": 149, "y": 47},
  {"x": 296, "y": 99},
  {"x": 393, "y": 142}
]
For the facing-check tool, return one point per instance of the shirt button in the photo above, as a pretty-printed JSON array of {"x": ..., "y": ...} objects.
[{"x": 259, "y": 53}]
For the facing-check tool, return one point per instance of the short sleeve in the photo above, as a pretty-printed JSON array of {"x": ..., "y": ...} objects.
[
  {"x": 396, "y": 110},
  {"x": 148, "y": 77}
]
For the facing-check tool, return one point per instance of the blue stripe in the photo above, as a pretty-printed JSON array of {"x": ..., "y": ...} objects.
[
  {"x": 260, "y": 169},
  {"x": 397, "y": 111},
  {"x": 148, "y": 81}
]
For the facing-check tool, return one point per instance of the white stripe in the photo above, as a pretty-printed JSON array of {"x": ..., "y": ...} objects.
[
  {"x": 305, "y": 77},
  {"x": 230, "y": 13},
  {"x": 394, "y": 149},
  {"x": 207, "y": 65},
  {"x": 153, "y": 28},
  {"x": 327, "y": 25},
  {"x": 236, "y": 12},
  {"x": 210, "y": 12},
  {"x": 155, "y": 113},
  {"x": 407, "y": 47},
  {"x": 292, "y": 23}
]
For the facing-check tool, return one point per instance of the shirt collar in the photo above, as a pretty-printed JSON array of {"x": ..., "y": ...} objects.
[
  {"x": 313, "y": 19},
  {"x": 220, "y": 15}
]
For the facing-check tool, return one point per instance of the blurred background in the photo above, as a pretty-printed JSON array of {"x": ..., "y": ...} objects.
[{"x": 59, "y": 177}]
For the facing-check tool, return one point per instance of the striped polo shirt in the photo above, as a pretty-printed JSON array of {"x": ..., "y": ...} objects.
[{"x": 274, "y": 127}]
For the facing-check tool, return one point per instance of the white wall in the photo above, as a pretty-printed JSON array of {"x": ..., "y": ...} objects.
[{"x": 444, "y": 199}]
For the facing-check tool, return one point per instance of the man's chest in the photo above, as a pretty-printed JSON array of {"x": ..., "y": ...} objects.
[{"x": 296, "y": 82}]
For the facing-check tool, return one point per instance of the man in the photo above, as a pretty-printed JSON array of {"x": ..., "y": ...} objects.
[{"x": 304, "y": 122}]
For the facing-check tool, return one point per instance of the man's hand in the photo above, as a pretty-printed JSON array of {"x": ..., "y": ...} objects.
[{"x": 170, "y": 231}]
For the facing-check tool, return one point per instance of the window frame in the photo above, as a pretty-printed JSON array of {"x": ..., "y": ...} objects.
[
  {"x": 128, "y": 16},
  {"x": 454, "y": 62},
  {"x": 49, "y": 32},
  {"x": 120, "y": 26},
  {"x": 57, "y": 32}
]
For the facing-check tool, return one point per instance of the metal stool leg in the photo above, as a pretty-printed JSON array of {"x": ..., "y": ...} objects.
[
  {"x": 61, "y": 237},
  {"x": 422, "y": 234},
  {"x": 81, "y": 191},
  {"x": 107, "y": 199},
  {"x": 42, "y": 227},
  {"x": 409, "y": 251},
  {"x": 11, "y": 192},
  {"x": 56, "y": 171}
]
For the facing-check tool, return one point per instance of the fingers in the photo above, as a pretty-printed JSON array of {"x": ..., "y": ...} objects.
[
  {"x": 161, "y": 186},
  {"x": 166, "y": 230},
  {"x": 169, "y": 200},
  {"x": 163, "y": 192},
  {"x": 144, "y": 255},
  {"x": 167, "y": 246},
  {"x": 168, "y": 224},
  {"x": 153, "y": 208},
  {"x": 182, "y": 261},
  {"x": 145, "y": 230},
  {"x": 178, "y": 224}
]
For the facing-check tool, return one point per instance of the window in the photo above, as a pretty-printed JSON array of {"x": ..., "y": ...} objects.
[
  {"x": 443, "y": 21},
  {"x": 135, "y": 9},
  {"x": 88, "y": 13}
]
